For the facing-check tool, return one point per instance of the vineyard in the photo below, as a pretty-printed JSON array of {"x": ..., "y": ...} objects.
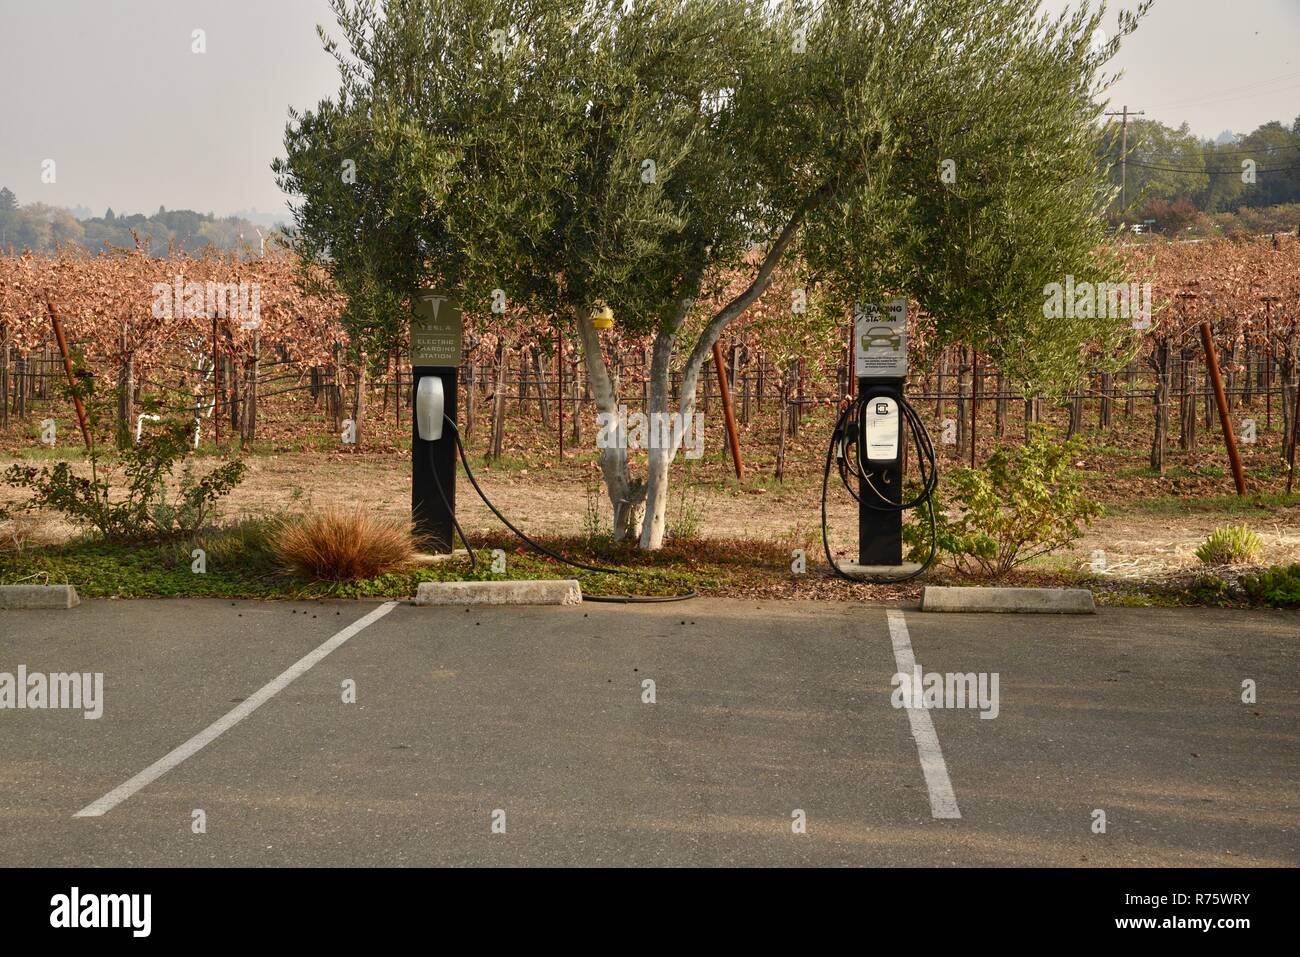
[{"x": 287, "y": 363}]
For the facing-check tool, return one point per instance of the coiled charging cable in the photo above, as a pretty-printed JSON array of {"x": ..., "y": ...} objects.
[{"x": 845, "y": 452}]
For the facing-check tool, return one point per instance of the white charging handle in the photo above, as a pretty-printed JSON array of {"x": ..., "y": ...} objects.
[
  {"x": 882, "y": 430},
  {"x": 429, "y": 408}
]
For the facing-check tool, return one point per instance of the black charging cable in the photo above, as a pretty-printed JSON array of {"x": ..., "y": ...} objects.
[
  {"x": 845, "y": 453},
  {"x": 433, "y": 467},
  {"x": 537, "y": 546}
]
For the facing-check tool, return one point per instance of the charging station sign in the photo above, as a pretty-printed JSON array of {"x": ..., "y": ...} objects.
[
  {"x": 880, "y": 340},
  {"x": 435, "y": 329}
]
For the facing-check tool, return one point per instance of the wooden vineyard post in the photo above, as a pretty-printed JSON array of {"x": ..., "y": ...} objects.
[
  {"x": 1221, "y": 400},
  {"x": 559, "y": 389},
  {"x": 216, "y": 389},
  {"x": 67, "y": 367},
  {"x": 974, "y": 399},
  {"x": 1295, "y": 433},
  {"x": 728, "y": 412}
]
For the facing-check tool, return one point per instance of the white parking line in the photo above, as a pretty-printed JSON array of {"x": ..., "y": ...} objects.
[
  {"x": 223, "y": 724},
  {"x": 943, "y": 802}
]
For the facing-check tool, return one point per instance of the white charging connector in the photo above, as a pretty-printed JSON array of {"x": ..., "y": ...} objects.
[
  {"x": 429, "y": 405},
  {"x": 882, "y": 430}
]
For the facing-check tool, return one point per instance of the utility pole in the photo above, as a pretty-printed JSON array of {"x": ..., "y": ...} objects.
[{"x": 1123, "y": 152}]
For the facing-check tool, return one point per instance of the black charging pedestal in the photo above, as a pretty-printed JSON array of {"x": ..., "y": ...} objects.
[
  {"x": 880, "y": 529},
  {"x": 431, "y": 516},
  {"x": 880, "y": 493}
]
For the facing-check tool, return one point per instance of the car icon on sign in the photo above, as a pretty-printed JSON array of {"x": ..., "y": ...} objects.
[{"x": 881, "y": 337}]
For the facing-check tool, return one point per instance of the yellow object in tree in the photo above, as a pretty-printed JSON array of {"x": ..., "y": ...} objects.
[{"x": 602, "y": 317}]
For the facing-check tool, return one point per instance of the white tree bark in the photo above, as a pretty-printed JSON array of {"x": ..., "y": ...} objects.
[
  {"x": 659, "y": 456},
  {"x": 653, "y": 525},
  {"x": 625, "y": 494}
]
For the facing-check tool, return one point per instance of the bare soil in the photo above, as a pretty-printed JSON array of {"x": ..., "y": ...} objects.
[
  {"x": 1152, "y": 527},
  {"x": 551, "y": 499}
]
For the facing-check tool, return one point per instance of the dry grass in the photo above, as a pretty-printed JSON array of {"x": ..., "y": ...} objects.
[{"x": 343, "y": 544}]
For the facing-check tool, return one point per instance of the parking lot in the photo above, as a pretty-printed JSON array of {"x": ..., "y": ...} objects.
[{"x": 531, "y": 736}]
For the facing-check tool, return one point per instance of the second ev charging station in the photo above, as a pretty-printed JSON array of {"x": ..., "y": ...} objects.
[
  {"x": 880, "y": 365},
  {"x": 870, "y": 445},
  {"x": 435, "y": 359}
]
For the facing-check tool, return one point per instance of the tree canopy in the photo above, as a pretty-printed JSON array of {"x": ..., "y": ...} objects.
[{"x": 561, "y": 153}]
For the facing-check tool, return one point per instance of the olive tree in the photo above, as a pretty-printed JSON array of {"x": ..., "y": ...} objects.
[{"x": 555, "y": 154}]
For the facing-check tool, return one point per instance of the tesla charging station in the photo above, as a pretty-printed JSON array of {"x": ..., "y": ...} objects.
[
  {"x": 870, "y": 448},
  {"x": 435, "y": 359}
]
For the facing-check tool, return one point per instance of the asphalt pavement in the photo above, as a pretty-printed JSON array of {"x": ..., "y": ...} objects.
[{"x": 700, "y": 733}]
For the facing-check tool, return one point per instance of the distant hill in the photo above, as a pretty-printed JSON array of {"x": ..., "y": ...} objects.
[{"x": 41, "y": 228}]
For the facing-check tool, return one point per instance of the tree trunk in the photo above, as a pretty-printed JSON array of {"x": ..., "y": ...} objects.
[
  {"x": 359, "y": 399},
  {"x": 20, "y": 386},
  {"x": 1187, "y": 408},
  {"x": 496, "y": 440},
  {"x": 125, "y": 393},
  {"x": 4, "y": 374},
  {"x": 1000, "y": 422},
  {"x": 1076, "y": 416},
  {"x": 1288, "y": 397},
  {"x": 248, "y": 427},
  {"x": 1107, "y": 390},
  {"x": 1160, "y": 440},
  {"x": 963, "y": 411},
  {"x": 939, "y": 377},
  {"x": 1031, "y": 415},
  {"x": 744, "y": 396},
  {"x": 781, "y": 430},
  {"x": 575, "y": 392},
  {"x": 625, "y": 495},
  {"x": 1208, "y": 392},
  {"x": 659, "y": 457},
  {"x": 1248, "y": 385},
  {"x": 233, "y": 393},
  {"x": 471, "y": 398},
  {"x": 539, "y": 374}
]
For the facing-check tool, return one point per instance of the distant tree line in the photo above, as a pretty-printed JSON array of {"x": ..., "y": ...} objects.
[
  {"x": 41, "y": 228},
  {"x": 1180, "y": 180}
]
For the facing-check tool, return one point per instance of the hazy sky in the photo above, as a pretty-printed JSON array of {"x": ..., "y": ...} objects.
[{"x": 111, "y": 91}]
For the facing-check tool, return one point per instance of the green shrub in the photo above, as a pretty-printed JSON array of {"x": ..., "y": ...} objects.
[
  {"x": 1279, "y": 586},
  {"x": 1022, "y": 503},
  {"x": 138, "y": 507},
  {"x": 1230, "y": 545}
]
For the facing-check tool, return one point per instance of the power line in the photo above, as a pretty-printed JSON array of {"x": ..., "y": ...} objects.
[
  {"x": 1231, "y": 92},
  {"x": 1217, "y": 151},
  {"x": 1214, "y": 172}
]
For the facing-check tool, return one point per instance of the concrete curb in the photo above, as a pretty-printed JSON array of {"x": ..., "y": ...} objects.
[
  {"x": 556, "y": 591},
  {"x": 38, "y": 596},
  {"x": 425, "y": 558},
  {"x": 1046, "y": 601},
  {"x": 882, "y": 573}
]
